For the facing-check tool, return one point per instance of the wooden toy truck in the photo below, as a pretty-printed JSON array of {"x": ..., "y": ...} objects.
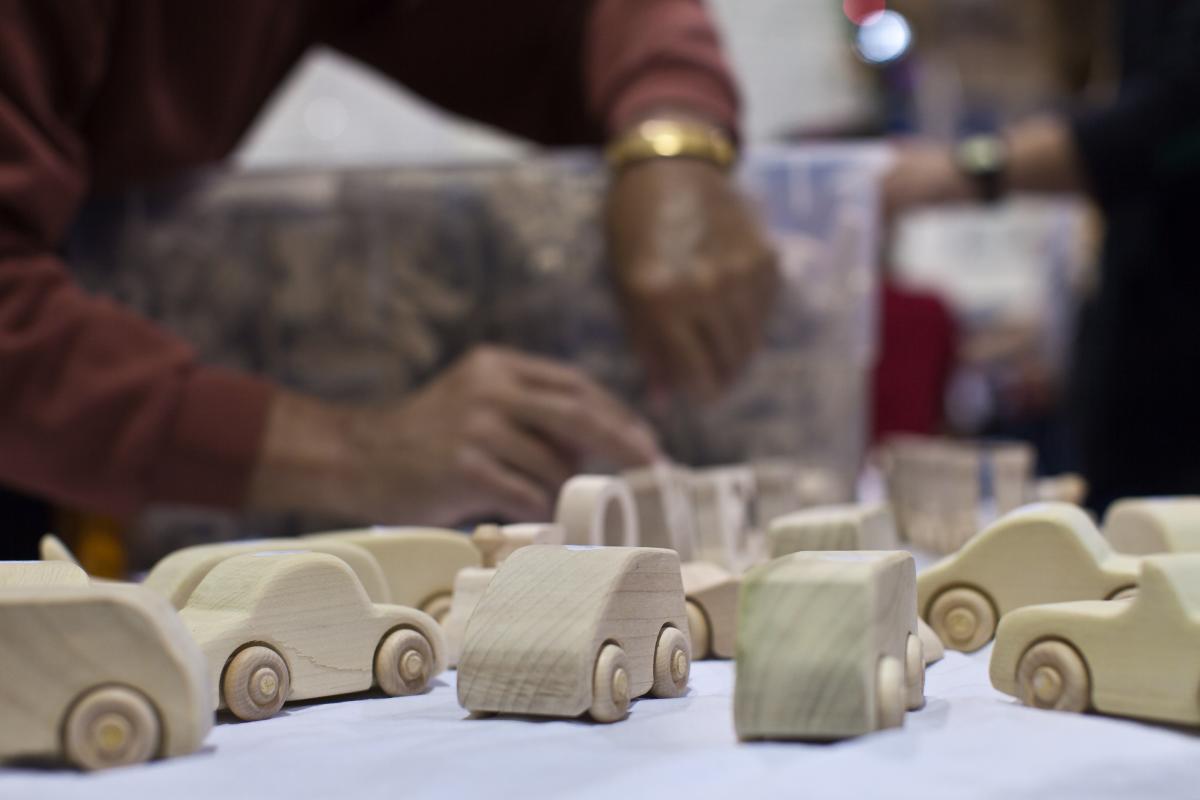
[
  {"x": 827, "y": 646},
  {"x": 1137, "y": 657},
  {"x": 564, "y": 631}
]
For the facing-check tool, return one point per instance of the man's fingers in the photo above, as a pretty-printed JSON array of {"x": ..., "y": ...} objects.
[
  {"x": 519, "y": 448},
  {"x": 583, "y": 426},
  {"x": 505, "y": 492}
]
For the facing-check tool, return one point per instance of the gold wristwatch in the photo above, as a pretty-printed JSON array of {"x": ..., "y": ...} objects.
[{"x": 669, "y": 138}]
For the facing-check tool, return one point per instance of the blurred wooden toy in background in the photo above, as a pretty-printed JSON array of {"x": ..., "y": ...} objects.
[
  {"x": 1143, "y": 525},
  {"x": 1068, "y": 487},
  {"x": 178, "y": 575},
  {"x": 827, "y": 646},
  {"x": 563, "y": 631},
  {"x": 663, "y": 505},
  {"x": 597, "y": 510},
  {"x": 98, "y": 675},
  {"x": 931, "y": 642},
  {"x": 723, "y": 503},
  {"x": 1136, "y": 657},
  {"x": 42, "y": 573},
  {"x": 941, "y": 489},
  {"x": 840, "y": 527},
  {"x": 495, "y": 543},
  {"x": 1042, "y": 553},
  {"x": 280, "y": 626},
  {"x": 52, "y": 548},
  {"x": 419, "y": 564},
  {"x": 712, "y": 595}
]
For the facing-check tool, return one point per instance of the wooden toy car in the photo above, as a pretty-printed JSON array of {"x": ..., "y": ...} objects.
[
  {"x": 1136, "y": 657},
  {"x": 562, "y": 631},
  {"x": 1143, "y": 525},
  {"x": 1041, "y": 553},
  {"x": 419, "y": 564},
  {"x": 827, "y": 646},
  {"x": 711, "y": 595},
  {"x": 495, "y": 543},
  {"x": 597, "y": 510},
  {"x": 279, "y": 626},
  {"x": 178, "y": 575},
  {"x": 42, "y": 573},
  {"x": 97, "y": 675},
  {"x": 840, "y": 527}
]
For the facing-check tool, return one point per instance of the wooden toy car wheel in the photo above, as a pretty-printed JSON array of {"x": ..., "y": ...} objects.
[
  {"x": 698, "y": 628},
  {"x": 1053, "y": 675},
  {"x": 963, "y": 619},
  {"x": 914, "y": 672},
  {"x": 890, "y": 693},
  {"x": 672, "y": 664},
  {"x": 610, "y": 685},
  {"x": 111, "y": 726},
  {"x": 438, "y": 607},
  {"x": 403, "y": 662},
  {"x": 256, "y": 683}
]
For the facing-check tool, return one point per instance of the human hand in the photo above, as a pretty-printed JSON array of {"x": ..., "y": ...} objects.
[
  {"x": 495, "y": 435},
  {"x": 694, "y": 272}
]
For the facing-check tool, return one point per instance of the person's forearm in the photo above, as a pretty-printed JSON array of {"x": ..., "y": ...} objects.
[{"x": 1042, "y": 157}]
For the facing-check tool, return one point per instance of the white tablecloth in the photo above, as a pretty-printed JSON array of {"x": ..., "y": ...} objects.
[{"x": 968, "y": 741}]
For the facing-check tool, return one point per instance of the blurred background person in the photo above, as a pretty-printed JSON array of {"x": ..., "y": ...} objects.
[{"x": 1134, "y": 385}]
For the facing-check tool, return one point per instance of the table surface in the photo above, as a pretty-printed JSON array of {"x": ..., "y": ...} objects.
[{"x": 968, "y": 741}]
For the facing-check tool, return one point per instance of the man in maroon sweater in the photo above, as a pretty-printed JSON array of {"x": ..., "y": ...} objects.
[{"x": 103, "y": 410}]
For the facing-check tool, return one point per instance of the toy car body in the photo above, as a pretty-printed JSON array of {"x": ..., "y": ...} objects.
[
  {"x": 1138, "y": 657},
  {"x": 178, "y": 574},
  {"x": 712, "y": 596},
  {"x": 827, "y": 646},
  {"x": 419, "y": 564},
  {"x": 562, "y": 631},
  {"x": 42, "y": 573},
  {"x": 1144, "y": 525},
  {"x": 1041, "y": 553},
  {"x": 98, "y": 675},
  {"x": 287, "y": 626},
  {"x": 837, "y": 527}
]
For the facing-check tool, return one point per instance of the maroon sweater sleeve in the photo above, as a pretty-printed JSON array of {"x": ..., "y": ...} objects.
[
  {"x": 98, "y": 407},
  {"x": 558, "y": 72}
]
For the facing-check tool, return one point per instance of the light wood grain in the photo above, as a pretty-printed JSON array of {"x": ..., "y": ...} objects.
[
  {"x": 533, "y": 642},
  {"x": 419, "y": 564},
  {"x": 495, "y": 543},
  {"x": 822, "y": 645},
  {"x": 933, "y": 648},
  {"x": 713, "y": 592},
  {"x": 723, "y": 499},
  {"x": 838, "y": 527},
  {"x": 1137, "y": 657},
  {"x": 1041, "y": 553},
  {"x": 67, "y": 644},
  {"x": 663, "y": 505},
  {"x": 42, "y": 573},
  {"x": 179, "y": 573},
  {"x": 1144, "y": 525},
  {"x": 311, "y": 609},
  {"x": 597, "y": 510}
]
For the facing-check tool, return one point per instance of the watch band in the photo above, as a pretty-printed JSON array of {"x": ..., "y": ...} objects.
[{"x": 668, "y": 138}]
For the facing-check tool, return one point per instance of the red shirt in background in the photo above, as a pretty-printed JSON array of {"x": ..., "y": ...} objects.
[{"x": 104, "y": 410}]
